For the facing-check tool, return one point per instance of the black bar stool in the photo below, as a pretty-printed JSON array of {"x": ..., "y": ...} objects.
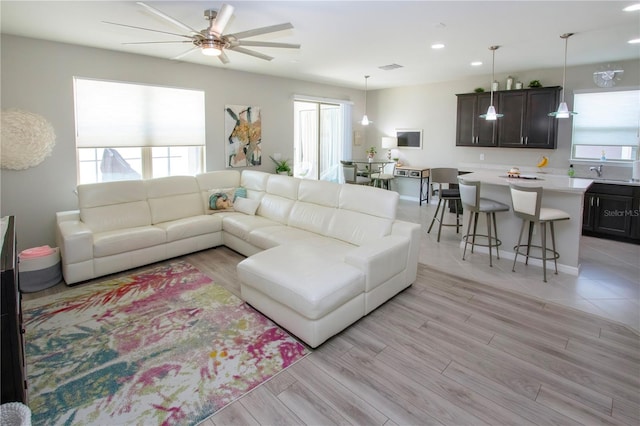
[
  {"x": 527, "y": 203},
  {"x": 471, "y": 201},
  {"x": 442, "y": 176}
]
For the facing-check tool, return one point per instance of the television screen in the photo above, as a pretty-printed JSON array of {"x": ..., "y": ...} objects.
[{"x": 409, "y": 138}]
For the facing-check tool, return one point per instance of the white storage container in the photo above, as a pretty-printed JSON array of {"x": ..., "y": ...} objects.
[{"x": 39, "y": 273}]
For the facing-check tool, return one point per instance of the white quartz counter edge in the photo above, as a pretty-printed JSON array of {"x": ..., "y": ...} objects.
[{"x": 547, "y": 182}]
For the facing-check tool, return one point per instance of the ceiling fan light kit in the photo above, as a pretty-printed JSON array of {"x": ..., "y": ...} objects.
[
  {"x": 563, "y": 109},
  {"x": 211, "y": 48},
  {"x": 491, "y": 114},
  {"x": 212, "y": 41}
]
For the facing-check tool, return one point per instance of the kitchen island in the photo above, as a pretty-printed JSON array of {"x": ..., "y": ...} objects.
[{"x": 560, "y": 192}]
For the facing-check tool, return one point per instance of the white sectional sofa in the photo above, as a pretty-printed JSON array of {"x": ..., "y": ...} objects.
[{"x": 320, "y": 255}]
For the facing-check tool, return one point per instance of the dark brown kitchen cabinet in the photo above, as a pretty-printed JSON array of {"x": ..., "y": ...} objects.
[
  {"x": 611, "y": 211},
  {"x": 471, "y": 130},
  {"x": 526, "y": 122}
]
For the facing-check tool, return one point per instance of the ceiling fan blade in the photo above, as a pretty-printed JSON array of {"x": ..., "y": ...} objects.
[
  {"x": 259, "y": 31},
  {"x": 267, "y": 44},
  {"x": 251, "y": 53},
  {"x": 158, "y": 42},
  {"x": 222, "y": 19},
  {"x": 183, "y": 54},
  {"x": 147, "y": 29},
  {"x": 223, "y": 58},
  {"x": 168, "y": 18}
]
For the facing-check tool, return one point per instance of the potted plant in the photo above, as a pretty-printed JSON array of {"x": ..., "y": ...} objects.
[
  {"x": 282, "y": 166},
  {"x": 371, "y": 152}
]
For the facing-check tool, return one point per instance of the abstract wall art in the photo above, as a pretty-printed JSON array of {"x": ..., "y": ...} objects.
[{"x": 243, "y": 136}]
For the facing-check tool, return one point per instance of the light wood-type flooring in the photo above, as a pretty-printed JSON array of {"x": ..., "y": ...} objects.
[{"x": 450, "y": 351}]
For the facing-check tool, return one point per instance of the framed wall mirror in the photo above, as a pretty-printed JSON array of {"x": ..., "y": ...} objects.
[{"x": 409, "y": 138}]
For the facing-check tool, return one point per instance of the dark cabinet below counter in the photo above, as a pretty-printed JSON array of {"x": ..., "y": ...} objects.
[
  {"x": 612, "y": 212},
  {"x": 526, "y": 122}
]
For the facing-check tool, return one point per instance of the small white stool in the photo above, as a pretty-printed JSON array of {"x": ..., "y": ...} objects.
[
  {"x": 471, "y": 201},
  {"x": 527, "y": 206}
]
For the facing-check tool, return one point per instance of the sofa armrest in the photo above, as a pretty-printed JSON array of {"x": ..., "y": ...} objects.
[
  {"x": 68, "y": 215},
  {"x": 412, "y": 231},
  {"x": 74, "y": 239},
  {"x": 380, "y": 260}
]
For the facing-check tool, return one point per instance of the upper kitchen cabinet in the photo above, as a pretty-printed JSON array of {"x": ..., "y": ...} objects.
[
  {"x": 471, "y": 130},
  {"x": 526, "y": 122}
]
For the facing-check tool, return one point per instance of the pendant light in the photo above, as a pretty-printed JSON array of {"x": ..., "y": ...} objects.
[
  {"x": 365, "y": 120},
  {"x": 563, "y": 109},
  {"x": 491, "y": 114}
]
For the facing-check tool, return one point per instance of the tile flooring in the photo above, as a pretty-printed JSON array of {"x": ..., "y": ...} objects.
[{"x": 608, "y": 284}]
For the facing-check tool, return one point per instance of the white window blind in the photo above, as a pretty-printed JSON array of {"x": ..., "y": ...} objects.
[
  {"x": 115, "y": 114},
  {"x": 606, "y": 118}
]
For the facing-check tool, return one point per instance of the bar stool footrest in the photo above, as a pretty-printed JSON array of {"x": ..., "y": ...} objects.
[
  {"x": 517, "y": 249},
  {"x": 494, "y": 241}
]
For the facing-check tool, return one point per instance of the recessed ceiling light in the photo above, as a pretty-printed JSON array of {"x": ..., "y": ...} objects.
[
  {"x": 632, "y": 8},
  {"x": 437, "y": 46},
  {"x": 476, "y": 64},
  {"x": 634, "y": 41}
]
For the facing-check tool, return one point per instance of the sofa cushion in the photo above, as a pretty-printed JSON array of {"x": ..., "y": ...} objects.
[
  {"x": 126, "y": 240},
  {"x": 271, "y": 236},
  {"x": 241, "y": 225},
  {"x": 302, "y": 278},
  {"x": 357, "y": 228},
  {"x": 364, "y": 214},
  {"x": 319, "y": 192},
  {"x": 173, "y": 197},
  {"x": 276, "y": 208},
  {"x": 254, "y": 180},
  {"x": 117, "y": 216},
  {"x": 311, "y": 217},
  {"x": 117, "y": 205},
  {"x": 216, "y": 179},
  {"x": 369, "y": 200},
  {"x": 246, "y": 206},
  {"x": 191, "y": 227}
]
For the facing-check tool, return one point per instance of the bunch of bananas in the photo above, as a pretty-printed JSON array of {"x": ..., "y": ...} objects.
[{"x": 543, "y": 162}]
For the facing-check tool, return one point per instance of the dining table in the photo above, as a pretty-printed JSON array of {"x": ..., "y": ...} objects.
[{"x": 367, "y": 166}]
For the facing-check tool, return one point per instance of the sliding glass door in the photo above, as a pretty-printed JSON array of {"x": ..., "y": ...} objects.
[{"x": 322, "y": 138}]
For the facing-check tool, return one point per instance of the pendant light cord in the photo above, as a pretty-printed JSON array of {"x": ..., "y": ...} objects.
[
  {"x": 564, "y": 70},
  {"x": 366, "y": 77},
  {"x": 493, "y": 68}
]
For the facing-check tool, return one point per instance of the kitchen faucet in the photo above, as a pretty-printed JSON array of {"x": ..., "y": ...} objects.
[{"x": 598, "y": 170}]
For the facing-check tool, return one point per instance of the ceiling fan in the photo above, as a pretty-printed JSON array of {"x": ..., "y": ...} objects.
[{"x": 212, "y": 41}]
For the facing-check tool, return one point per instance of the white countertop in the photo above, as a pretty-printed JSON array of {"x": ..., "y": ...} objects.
[{"x": 547, "y": 181}]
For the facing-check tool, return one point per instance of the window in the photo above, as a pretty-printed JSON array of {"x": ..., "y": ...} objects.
[
  {"x": 606, "y": 126},
  {"x": 133, "y": 131},
  {"x": 322, "y": 137}
]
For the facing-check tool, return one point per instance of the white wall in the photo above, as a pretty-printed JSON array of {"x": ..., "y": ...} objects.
[{"x": 37, "y": 76}]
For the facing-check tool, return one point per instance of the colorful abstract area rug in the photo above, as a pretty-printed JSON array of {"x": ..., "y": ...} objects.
[{"x": 161, "y": 347}]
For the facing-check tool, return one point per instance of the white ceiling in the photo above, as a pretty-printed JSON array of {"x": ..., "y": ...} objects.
[{"x": 342, "y": 41}]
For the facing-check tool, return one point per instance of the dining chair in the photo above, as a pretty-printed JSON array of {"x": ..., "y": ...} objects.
[
  {"x": 350, "y": 172},
  {"x": 439, "y": 177},
  {"x": 384, "y": 177}
]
